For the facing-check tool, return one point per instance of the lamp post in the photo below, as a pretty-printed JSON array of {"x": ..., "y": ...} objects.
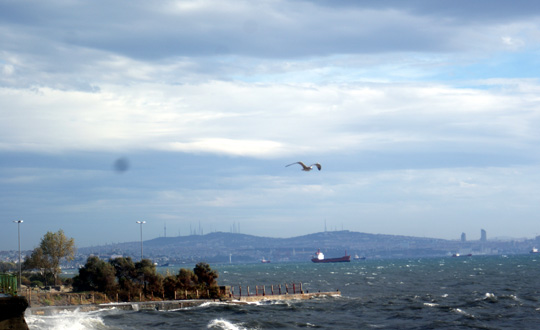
[
  {"x": 141, "y": 223},
  {"x": 18, "y": 222}
]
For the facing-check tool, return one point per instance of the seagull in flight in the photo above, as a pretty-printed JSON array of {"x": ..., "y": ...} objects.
[{"x": 306, "y": 168}]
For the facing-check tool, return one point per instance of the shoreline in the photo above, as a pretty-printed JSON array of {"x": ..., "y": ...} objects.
[{"x": 166, "y": 305}]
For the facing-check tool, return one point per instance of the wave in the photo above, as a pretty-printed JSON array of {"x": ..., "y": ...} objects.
[
  {"x": 68, "y": 320},
  {"x": 462, "y": 312},
  {"x": 223, "y": 324},
  {"x": 490, "y": 297},
  {"x": 431, "y": 304}
]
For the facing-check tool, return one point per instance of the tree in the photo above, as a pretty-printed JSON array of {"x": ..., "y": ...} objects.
[
  {"x": 205, "y": 275},
  {"x": 124, "y": 268},
  {"x": 170, "y": 285},
  {"x": 96, "y": 275},
  {"x": 38, "y": 261},
  {"x": 207, "y": 279},
  {"x": 125, "y": 273},
  {"x": 152, "y": 281},
  {"x": 186, "y": 279},
  {"x": 53, "y": 248},
  {"x": 136, "y": 277}
]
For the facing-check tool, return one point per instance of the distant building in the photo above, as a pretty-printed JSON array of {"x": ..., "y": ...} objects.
[
  {"x": 463, "y": 237},
  {"x": 483, "y": 235}
]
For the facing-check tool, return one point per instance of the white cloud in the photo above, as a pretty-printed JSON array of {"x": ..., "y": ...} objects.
[
  {"x": 249, "y": 148},
  {"x": 269, "y": 120},
  {"x": 421, "y": 112}
]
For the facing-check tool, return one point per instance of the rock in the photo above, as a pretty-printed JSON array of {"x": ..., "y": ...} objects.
[{"x": 12, "y": 313}]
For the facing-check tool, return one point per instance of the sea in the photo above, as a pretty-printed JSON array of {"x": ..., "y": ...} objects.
[{"x": 477, "y": 292}]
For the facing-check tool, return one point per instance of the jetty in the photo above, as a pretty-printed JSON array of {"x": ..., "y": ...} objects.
[{"x": 166, "y": 305}]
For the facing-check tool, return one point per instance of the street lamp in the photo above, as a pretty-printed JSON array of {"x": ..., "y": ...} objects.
[
  {"x": 20, "y": 272},
  {"x": 141, "y": 223}
]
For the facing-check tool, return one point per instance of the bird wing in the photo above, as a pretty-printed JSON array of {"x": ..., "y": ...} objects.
[
  {"x": 302, "y": 164},
  {"x": 318, "y": 166}
]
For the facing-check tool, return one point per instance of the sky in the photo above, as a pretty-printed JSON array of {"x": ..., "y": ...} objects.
[{"x": 424, "y": 115}]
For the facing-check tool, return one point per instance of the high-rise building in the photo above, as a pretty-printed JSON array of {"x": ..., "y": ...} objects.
[
  {"x": 463, "y": 237},
  {"x": 483, "y": 235}
]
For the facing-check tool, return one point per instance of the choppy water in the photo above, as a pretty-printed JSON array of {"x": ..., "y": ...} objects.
[{"x": 447, "y": 293}]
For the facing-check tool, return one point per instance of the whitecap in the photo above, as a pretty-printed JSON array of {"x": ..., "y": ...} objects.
[
  {"x": 212, "y": 303},
  {"x": 490, "y": 297},
  {"x": 223, "y": 324},
  {"x": 462, "y": 312},
  {"x": 68, "y": 320},
  {"x": 431, "y": 304},
  {"x": 203, "y": 305}
]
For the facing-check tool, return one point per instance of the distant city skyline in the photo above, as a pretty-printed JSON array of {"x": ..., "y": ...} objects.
[{"x": 423, "y": 116}]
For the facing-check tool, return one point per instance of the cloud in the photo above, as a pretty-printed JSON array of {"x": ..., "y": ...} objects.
[
  {"x": 275, "y": 30},
  {"x": 234, "y": 118},
  {"x": 417, "y": 110}
]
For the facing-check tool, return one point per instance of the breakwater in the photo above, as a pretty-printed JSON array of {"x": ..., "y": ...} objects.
[{"x": 173, "y": 304}]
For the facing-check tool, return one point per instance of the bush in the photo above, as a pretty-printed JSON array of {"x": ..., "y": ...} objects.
[{"x": 96, "y": 275}]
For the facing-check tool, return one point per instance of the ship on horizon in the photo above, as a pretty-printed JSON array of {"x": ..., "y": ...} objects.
[
  {"x": 319, "y": 258},
  {"x": 357, "y": 257}
]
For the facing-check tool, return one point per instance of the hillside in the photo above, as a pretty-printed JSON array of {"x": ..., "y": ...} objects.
[{"x": 222, "y": 247}]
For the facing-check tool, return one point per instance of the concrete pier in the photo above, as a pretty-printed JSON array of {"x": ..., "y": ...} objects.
[
  {"x": 173, "y": 304},
  {"x": 296, "y": 296}
]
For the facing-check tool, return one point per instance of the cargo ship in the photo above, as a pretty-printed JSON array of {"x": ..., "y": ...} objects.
[{"x": 319, "y": 258}]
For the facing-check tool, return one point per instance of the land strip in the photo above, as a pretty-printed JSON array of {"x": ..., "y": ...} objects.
[{"x": 172, "y": 304}]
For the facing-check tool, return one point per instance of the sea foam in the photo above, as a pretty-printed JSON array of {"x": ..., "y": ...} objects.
[
  {"x": 74, "y": 320},
  {"x": 223, "y": 324}
]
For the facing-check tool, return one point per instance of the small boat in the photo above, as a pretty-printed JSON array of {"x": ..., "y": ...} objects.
[
  {"x": 319, "y": 258},
  {"x": 264, "y": 261},
  {"x": 534, "y": 250}
]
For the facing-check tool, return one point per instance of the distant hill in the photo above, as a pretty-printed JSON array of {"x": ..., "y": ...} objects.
[{"x": 222, "y": 247}]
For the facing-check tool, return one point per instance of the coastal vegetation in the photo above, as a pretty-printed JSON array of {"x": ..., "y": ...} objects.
[
  {"x": 127, "y": 279},
  {"x": 46, "y": 258},
  {"x": 119, "y": 278}
]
